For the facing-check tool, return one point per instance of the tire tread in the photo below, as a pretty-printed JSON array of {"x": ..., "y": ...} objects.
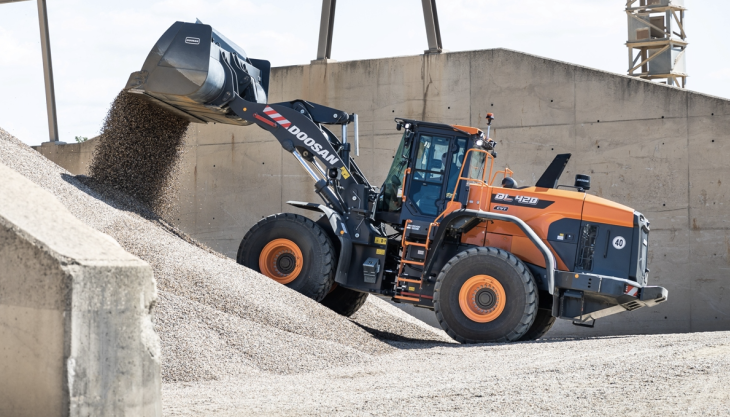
[
  {"x": 530, "y": 307},
  {"x": 319, "y": 288}
]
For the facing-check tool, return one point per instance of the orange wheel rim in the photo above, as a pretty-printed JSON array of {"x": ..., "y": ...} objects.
[
  {"x": 482, "y": 298},
  {"x": 281, "y": 260}
]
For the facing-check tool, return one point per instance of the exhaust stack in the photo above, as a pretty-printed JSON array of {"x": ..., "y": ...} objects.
[{"x": 194, "y": 71}]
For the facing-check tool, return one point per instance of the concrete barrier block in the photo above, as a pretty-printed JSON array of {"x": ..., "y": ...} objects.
[
  {"x": 76, "y": 336},
  {"x": 75, "y": 157}
]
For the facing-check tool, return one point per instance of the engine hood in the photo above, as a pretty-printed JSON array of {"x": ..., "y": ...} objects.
[{"x": 601, "y": 210}]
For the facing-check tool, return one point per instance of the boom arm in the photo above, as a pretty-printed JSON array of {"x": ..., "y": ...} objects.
[{"x": 297, "y": 125}]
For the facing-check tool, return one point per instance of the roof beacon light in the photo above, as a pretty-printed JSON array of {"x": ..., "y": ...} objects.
[{"x": 490, "y": 117}]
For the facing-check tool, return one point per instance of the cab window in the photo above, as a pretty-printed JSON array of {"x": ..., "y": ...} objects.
[
  {"x": 428, "y": 173},
  {"x": 392, "y": 192},
  {"x": 457, "y": 161},
  {"x": 476, "y": 165}
]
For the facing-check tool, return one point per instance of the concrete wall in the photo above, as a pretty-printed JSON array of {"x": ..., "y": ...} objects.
[
  {"x": 75, "y": 157},
  {"x": 658, "y": 149},
  {"x": 76, "y": 337}
]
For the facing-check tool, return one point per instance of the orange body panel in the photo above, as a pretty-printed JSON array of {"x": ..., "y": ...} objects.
[
  {"x": 468, "y": 129},
  {"x": 600, "y": 210},
  {"x": 562, "y": 205},
  {"x": 544, "y": 206},
  {"x": 476, "y": 236},
  {"x": 478, "y": 195},
  {"x": 559, "y": 204},
  {"x": 499, "y": 241},
  {"x": 451, "y": 206}
]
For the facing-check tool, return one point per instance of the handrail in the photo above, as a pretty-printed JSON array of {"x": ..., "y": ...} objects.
[{"x": 505, "y": 172}]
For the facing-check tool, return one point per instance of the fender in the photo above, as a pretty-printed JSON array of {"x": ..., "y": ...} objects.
[
  {"x": 339, "y": 229},
  {"x": 459, "y": 216}
]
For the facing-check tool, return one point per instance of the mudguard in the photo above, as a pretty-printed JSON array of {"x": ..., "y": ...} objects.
[{"x": 339, "y": 229}]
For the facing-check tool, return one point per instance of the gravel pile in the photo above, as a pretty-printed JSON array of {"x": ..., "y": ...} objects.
[
  {"x": 139, "y": 151},
  {"x": 218, "y": 319},
  {"x": 663, "y": 375}
]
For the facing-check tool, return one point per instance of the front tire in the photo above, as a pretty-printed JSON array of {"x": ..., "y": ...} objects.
[
  {"x": 292, "y": 250},
  {"x": 485, "y": 295}
]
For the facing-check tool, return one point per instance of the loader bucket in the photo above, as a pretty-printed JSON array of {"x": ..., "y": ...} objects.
[{"x": 194, "y": 71}]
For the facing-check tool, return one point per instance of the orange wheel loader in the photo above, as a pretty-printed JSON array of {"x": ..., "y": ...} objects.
[{"x": 494, "y": 261}]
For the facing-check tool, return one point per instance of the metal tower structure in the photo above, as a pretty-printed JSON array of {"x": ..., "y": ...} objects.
[
  {"x": 327, "y": 23},
  {"x": 657, "y": 40}
]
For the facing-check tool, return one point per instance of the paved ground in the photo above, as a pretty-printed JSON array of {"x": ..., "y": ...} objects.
[{"x": 680, "y": 374}]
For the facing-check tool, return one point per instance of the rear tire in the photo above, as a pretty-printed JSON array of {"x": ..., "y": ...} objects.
[
  {"x": 344, "y": 301},
  {"x": 544, "y": 320},
  {"x": 293, "y": 250},
  {"x": 485, "y": 295}
]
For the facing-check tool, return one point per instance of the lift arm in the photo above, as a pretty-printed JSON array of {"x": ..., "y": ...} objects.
[{"x": 297, "y": 125}]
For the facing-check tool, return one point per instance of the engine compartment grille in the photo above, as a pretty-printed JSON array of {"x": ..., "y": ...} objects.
[{"x": 586, "y": 247}]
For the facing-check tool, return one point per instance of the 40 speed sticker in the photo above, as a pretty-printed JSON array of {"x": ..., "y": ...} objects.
[{"x": 619, "y": 242}]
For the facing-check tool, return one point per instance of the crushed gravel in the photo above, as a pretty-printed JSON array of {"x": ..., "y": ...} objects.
[
  {"x": 139, "y": 150},
  {"x": 662, "y": 375},
  {"x": 217, "y": 319}
]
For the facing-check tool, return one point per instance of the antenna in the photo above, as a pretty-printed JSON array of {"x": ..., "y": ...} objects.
[{"x": 657, "y": 40}]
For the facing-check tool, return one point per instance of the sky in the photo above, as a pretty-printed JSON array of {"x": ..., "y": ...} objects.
[{"x": 96, "y": 44}]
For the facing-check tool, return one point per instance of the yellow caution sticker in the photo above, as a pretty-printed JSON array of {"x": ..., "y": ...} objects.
[
  {"x": 345, "y": 174},
  {"x": 381, "y": 241},
  {"x": 411, "y": 288},
  {"x": 380, "y": 252}
]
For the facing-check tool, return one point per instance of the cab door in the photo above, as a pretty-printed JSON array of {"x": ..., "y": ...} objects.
[{"x": 435, "y": 167}]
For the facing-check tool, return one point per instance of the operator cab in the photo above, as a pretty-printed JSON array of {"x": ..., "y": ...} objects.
[{"x": 426, "y": 169}]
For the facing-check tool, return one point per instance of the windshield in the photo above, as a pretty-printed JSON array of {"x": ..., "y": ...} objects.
[
  {"x": 476, "y": 165},
  {"x": 391, "y": 198},
  {"x": 457, "y": 160}
]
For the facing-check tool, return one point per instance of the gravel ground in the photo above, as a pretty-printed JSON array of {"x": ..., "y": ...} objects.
[
  {"x": 217, "y": 319},
  {"x": 677, "y": 374}
]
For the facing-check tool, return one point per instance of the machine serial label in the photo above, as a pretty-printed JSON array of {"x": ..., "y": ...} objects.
[
  {"x": 192, "y": 41},
  {"x": 520, "y": 200},
  {"x": 380, "y": 252}
]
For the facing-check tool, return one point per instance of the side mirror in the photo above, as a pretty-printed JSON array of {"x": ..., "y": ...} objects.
[
  {"x": 583, "y": 181},
  {"x": 509, "y": 182}
]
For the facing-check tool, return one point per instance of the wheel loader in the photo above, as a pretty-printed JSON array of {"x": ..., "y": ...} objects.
[{"x": 446, "y": 231}]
